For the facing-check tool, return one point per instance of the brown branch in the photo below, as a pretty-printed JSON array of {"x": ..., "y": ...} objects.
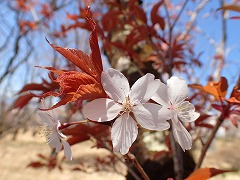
[
  {"x": 223, "y": 44},
  {"x": 209, "y": 141},
  {"x": 11, "y": 60},
  {"x": 192, "y": 19},
  {"x": 130, "y": 157}
]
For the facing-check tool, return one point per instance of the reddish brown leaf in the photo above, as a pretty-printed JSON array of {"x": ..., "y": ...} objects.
[
  {"x": 140, "y": 14},
  {"x": 110, "y": 20},
  {"x": 155, "y": 18},
  {"x": 23, "y": 5},
  {"x": 206, "y": 173},
  {"x": 201, "y": 121},
  {"x": 77, "y": 57},
  {"x": 22, "y": 101},
  {"x": 36, "y": 164},
  {"x": 217, "y": 89},
  {"x": 32, "y": 87},
  {"x": 138, "y": 11},
  {"x": 235, "y": 17},
  {"x": 72, "y": 16},
  {"x": 74, "y": 86},
  {"x": 137, "y": 35},
  {"x": 235, "y": 96},
  {"x": 83, "y": 132},
  {"x": 27, "y": 25},
  {"x": 46, "y": 11},
  {"x": 93, "y": 40}
]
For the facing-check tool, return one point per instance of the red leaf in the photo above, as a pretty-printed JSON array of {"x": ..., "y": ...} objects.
[
  {"x": 33, "y": 86},
  {"x": 95, "y": 54},
  {"x": 138, "y": 11},
  {"x": 35, "y": 164},
  {"x": 206, "y": 173},
  {"x": 46, "y": 11},
  {"x": 155, "y": 18},
  {"x": 83, "y": 132},
  {"x": 77, "y": 57},
  {"x": 72, "y": 16},
  {"x": 110, "y": 20},
  {"x": 218, "y": 107},
  {"x": 201, "y": 121},
  {"x": 235, "y": 96},
  {"x": 217, "y": 89},
  {"x": 235, "y": 17},
  {"x": 27, "y": 25},
  {"x": 22, "y": 101},
  {"x": 75, "y": 86}
]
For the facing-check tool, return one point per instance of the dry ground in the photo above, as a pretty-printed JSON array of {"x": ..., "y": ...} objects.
[{"x": 15, "y": 155}]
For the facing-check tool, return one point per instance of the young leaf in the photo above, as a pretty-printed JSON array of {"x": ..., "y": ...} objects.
[
  {"x": 155, "y": 18},
  {"x": 206, "y": 173},
  {"x": 235, "y": 96},
  {"x": 217, "y": 89}
]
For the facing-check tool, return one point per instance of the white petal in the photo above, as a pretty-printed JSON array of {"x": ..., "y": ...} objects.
[
  {"x": 67, "y": 150},
  {"x": 124, "y": 132},
  {"x": 55, "y": 142},
  {"x": 152, "y": 117},
  {"x": 143, "y": 89},
  {"x": 115, "y": 85},
  {"x": 161, "y": 95},
  {"x": 49, "y": 112},
  {"x": 193, "y": 115},
  {"x": 177, "y": 89},
  {"x": 186, "y": 112},
  {"x": 101, "y": 110},
  {"x": 181, "y": 135},
  {"x": 45, "y": 119}
]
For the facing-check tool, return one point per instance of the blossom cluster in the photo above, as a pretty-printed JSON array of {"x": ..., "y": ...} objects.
[
  {"x": 149, "y": 103},
  {"x": 130, "y": 107}
]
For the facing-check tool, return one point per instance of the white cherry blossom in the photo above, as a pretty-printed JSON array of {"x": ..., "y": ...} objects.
[
  {"x": 172, "y": 96},
  {"x": 128, "y": 106},
  {"x": 50, "y": 129}
]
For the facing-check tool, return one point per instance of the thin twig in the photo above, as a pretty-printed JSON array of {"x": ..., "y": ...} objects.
[
  {"x": 133, "y": 159},
  {"x": 220, "y": 65},
  {"x": 192, "y": 19}
]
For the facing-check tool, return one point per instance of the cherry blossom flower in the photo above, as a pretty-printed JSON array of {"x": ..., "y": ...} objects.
[
  {"x": 50, "y": 129},
  {"x": 172, "y": 96},
  {"x": 128, "y": 106}
]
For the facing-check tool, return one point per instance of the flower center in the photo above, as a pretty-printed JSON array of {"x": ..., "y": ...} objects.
[
  {"x": 172, "y": 107},
  {"x": 184, "y": 106},
  {"x": 127, "y": 107}
]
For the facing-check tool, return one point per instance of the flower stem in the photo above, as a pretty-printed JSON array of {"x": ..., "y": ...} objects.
[
  {"x": 209, "y": 141},
  {"x": 130, "y": 157}
]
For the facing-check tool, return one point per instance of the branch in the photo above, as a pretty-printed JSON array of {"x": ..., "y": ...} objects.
[
  {"x": 223, "y": 43},
  {"x": 11, "y": 60},
  {"x": 130, "y": 157},
  {"x": 192, "y": 19}
]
